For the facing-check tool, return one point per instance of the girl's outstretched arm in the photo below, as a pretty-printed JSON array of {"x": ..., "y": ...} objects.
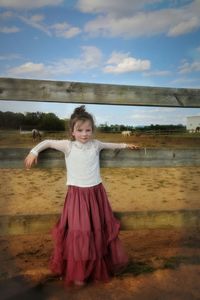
[
  {"x": 30, "y": 160},
  {"x": 103, "y": 145},
  {"x": 61, "y": 145}
]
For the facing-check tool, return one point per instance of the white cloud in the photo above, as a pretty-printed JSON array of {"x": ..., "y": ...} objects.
[
  {"x": 116, "y": 7},
  {"x": 29, "y": 68},
  {"x": 12, "y": 29},
  {"x": 184, "y": 27},
  {"x": 115, "y": 22},
  {"x": 37, "y": 18},
  {"x": 123, "y": 63},
  {"x": 65, "y": 30},
  {"x": 28, "y": 4},
  {"x": 35, "y": 22},
  {"x": 187, "y": 67},
  {"x": 71, "y": 32},
  {"x": 90, "y": 58}
]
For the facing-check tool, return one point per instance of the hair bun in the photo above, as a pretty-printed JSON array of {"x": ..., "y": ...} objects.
[{"x": 79, "y": 110}]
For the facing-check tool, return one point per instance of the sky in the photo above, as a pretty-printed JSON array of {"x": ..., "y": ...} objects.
[{"x": 130, "y": 42}]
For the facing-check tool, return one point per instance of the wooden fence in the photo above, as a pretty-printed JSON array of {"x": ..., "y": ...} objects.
[
  {"x": 76, "y": 92},
  {"x": 150, "y": 157},
  {"x": 79, "y": 92}
]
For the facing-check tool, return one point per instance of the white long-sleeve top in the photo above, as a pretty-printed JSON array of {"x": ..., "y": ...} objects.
[{"x": 82, "y": 160}]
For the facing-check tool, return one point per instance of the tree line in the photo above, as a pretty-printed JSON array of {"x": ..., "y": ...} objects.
[
  {"x": 50, "y": 122},
  {"x": 28, "y": 121},
  {"x": 150, "y": 128}
]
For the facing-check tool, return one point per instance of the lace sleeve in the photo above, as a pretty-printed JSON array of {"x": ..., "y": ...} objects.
[
  {"x": 102, "y": 145},
  {"x": 60, "y": 145}
]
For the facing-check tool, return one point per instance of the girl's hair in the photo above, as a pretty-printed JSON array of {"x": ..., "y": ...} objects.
[{"x": 79, "y": 114}]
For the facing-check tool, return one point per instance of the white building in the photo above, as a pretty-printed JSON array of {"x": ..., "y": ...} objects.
[{"x": 192, "y": 123}]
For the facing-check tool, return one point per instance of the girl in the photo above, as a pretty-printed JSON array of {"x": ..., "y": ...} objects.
[{"x": 87, "y": 246}]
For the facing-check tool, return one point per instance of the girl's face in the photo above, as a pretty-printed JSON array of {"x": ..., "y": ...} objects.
[{"x": 82, "y": 131}]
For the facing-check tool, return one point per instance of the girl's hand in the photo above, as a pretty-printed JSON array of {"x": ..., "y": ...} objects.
[
  {"x": 132, "y": 147},
  {"x": 30, "y": 160}
]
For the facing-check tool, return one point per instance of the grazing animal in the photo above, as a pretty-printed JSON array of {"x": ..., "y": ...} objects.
[
  {"x": 126, "y": 133},
  {"x": 197, "y": 129},
  {"x": 36, "y": 135}
]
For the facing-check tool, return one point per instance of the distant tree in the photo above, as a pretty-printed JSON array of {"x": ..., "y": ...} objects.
[
  {"x": 38, "y": 120},
  {"x": 32, "y": 119},
  {"x": 11, "y": 120},
  {"x": 51, "y": 122},
  {"x": 104, "y": 127},
  {"x": 162, "y": 128},
  {"x": 114, "y": 127}
]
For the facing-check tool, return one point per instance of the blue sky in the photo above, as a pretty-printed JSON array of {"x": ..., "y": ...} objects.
[{"x": 132, "y": 42}]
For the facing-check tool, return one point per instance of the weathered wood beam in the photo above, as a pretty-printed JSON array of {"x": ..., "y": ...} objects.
[
  {"x": 93, "y": 93},
  {"x": 14, "y": 157},
  {"x": 38, "y": 224}
]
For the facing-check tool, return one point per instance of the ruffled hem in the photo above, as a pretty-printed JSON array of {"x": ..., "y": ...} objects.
[{"x": 71, "y": 261}]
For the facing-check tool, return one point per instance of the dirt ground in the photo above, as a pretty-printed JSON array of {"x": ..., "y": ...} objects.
[
  {"x": 164, "y": 264},
  {"x": 129, "y": 189}
]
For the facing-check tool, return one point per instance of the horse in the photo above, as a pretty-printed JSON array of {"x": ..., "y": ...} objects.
[
  {"x": 36, "y": 135},
  {"x": 126, "y": 133}
]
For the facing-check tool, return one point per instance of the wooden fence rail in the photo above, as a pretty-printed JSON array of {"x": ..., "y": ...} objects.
[
  {"x": 34, "y": 224},
  {"x": 93, "y": 93},
  {"x": 13, "y": 158}
]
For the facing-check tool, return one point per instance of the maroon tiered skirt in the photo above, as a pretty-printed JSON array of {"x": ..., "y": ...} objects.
[{"x": 86, "y": 240}]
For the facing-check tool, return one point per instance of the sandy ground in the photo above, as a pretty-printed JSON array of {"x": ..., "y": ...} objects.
[
  {"x": 129, "y": 189},
  {"x": 164, "y": 264}
]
